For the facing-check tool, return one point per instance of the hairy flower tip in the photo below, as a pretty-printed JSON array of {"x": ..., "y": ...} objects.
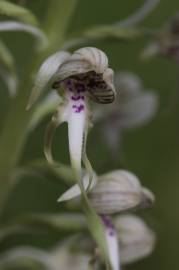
[
  {"x": 136, "y": 239},
  {"x": 115, "y": 192},
  {"x": 87, "y": 68}
]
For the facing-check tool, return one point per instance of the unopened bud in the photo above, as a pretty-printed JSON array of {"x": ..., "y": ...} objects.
[
  {"x": 115, "y": 192},
  {"x": 119, "y": 191},
  {"x": 136, "y": 239}
]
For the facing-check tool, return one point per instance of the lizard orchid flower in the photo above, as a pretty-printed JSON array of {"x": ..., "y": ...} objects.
[
  {"x": 84, "y": 75},
  {"x": 113, "y": 192}
]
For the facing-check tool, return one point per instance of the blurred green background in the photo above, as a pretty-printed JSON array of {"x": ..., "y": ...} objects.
[{"x": 151, "y": 152}]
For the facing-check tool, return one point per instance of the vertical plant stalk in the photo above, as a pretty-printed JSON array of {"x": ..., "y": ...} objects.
[{"x": 14, "y": 133}]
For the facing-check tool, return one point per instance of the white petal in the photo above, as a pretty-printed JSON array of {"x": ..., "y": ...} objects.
[
  {"x": 113, "y": 250},
  {"x": 45, "y": 75},
  {"x": 83, "y": 60},
  {"x": 75, "y": 191}
]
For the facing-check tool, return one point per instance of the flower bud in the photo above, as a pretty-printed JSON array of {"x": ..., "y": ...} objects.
[
  {"x": 115, "y": 192},
  {"x": 136, "y": 239}
]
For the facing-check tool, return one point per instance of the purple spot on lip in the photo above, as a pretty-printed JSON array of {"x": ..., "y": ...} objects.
[
  {"x": 75, "y": 98},
  {"x": 107, "y": 222},
  {"x": 111, "y": 233},
  {"x": 79, "y": 108}
]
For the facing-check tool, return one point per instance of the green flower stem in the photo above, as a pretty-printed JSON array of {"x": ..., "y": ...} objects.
[
  {"x": 14, "y": 133},
  {"x": 95, "y": 225}
]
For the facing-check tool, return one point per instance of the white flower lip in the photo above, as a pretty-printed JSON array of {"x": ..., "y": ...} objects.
[{"x": 112, "y": 242}]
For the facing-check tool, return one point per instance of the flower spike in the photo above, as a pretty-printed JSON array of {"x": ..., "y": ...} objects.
[{"x": 84, "y": 76}]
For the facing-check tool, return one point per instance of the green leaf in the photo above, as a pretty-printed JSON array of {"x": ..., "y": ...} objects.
[
  {"x": 112, "y": 31},
  {"x": 66, "y": 222},
  {"x": 104, "y": 32},
  {"x": 42, "y": 167},
  {"x": 6, "y": 57},
  {"x": 97, "y": 230},
  {"x": 24, "y": 257},
  {"x": 18, "y": 12},
  {"x": 33, "y": 30},
  {"x": 59, "y": 222},
  {"x": 7, "y": 69},
  {"x": 94, "y": 223}
]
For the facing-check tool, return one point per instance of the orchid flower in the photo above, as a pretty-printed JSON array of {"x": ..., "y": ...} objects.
[
  {"x": 132, "y": 108},
  {"x": 113, "y": 192},
  {"x": 166, "y": 42},
  {"x": 128, "y": 236},
  {"x": 84, "y": 76}
]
